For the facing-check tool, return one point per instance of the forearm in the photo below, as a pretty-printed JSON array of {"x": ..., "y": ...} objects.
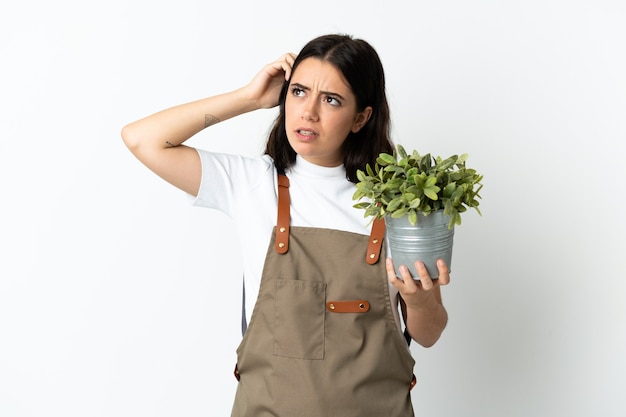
[
  {"x": 173, "y": 126},
  {"x": 156, "y": 140},
  {"x": 426, "y": 322}
]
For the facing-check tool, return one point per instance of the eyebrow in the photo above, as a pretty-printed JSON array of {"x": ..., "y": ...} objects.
[{"x": 328, "y": 93}]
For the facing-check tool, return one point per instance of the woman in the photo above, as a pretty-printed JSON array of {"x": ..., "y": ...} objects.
[{"x": 322, "y": 332}]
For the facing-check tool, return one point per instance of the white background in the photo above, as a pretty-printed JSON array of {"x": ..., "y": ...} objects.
[{"x": 117, "y": 298}]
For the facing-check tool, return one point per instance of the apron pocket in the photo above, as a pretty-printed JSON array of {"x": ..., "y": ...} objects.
[{"x": 299, "y": 319}]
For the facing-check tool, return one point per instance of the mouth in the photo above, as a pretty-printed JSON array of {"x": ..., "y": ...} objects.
[{"x": 306, "y": 134}]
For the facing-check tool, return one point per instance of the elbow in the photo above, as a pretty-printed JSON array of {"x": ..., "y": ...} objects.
[
  {"x": 427, "y": 343},
  {"x": 129, "y": 137},
  {"x": 135, "y": 140},
  {"x": 427, "y": 337},
  {"x": 427, "y": 340}
]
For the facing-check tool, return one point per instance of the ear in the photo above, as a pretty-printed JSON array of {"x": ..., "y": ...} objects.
[{"x": 361, "y": 118}]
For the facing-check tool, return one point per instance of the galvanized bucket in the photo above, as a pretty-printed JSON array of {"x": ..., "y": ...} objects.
[{"x": 428, "y": 240}]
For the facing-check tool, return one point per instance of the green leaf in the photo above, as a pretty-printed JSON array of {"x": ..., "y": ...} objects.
[
  {"x": 430, "y": 182},
  {"x": 447, "y": 164},
  {"x": 401, "y": 152},
  {"x": 394, "y": 168},
  {"x": 431, "y": 192},
  {"x": 399, "y": 213},
  {"x": 415, "y": 203},
  {"x": 395, "y": 203},
  {"x": 448, "y": 190},
  {"x": 386, "y": 159}
]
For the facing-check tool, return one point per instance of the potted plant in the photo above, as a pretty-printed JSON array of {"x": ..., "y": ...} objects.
[{"x": 421, "y": 199}]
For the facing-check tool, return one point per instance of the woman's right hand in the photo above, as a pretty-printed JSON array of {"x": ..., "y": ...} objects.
[{"x": 265, "y": 87}]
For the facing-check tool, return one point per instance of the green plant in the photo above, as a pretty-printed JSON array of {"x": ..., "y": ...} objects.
[{"x": 407, "y": 184}]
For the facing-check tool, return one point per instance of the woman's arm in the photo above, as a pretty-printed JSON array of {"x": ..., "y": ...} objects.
[
  {"x": 425, "y": 315},
  {"x": 157, "y": 140}
]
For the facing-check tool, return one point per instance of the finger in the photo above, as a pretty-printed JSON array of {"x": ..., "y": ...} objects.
[
  {"x": 391, "y": 273},
  {"x": 282, "y": 65},
  {"x": 405, "y": 274},
  {"x": 288, "y": 59},
  {"x": 444, "y": 272},
  {"x": 403, "y": 283},
  {"x": 422, "y": 272}
]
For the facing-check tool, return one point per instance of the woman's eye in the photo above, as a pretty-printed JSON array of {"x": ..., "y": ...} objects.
[
  {"x": 296, "y": 91},
  {"x": 332, "y": 101}
]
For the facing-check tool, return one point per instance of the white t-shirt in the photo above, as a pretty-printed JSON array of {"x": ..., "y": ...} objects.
[{"x": 245, "y": 189}]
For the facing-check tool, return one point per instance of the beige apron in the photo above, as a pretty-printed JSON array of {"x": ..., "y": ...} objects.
[{"x": 322, "y": 340}]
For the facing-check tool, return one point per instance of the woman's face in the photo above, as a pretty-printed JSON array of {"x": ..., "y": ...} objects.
[{"x": 320, "y": 112}]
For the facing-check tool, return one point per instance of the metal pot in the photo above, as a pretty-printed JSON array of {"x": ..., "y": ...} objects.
[{"x": 428, "y": 240}]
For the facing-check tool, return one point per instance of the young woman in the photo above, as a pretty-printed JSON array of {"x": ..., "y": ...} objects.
[{"x": 321, "y": 322}]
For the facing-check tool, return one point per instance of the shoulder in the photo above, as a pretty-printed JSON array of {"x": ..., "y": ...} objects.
[
  {"x": 228, "y": 177},
  {"x": 234, "y": 163}
]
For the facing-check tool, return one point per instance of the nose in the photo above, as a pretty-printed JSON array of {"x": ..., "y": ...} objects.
[{"x": 310, "y": 111}]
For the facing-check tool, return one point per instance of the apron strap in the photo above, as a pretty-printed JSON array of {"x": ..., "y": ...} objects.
[
  {"x": 376, "y": 241},
  {"x": 284, "y": 217}
]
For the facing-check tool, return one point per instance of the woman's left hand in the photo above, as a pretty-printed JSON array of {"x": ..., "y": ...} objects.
[
  {"x": 418, "y": 293},
  {"x": 422, "y": 308}
]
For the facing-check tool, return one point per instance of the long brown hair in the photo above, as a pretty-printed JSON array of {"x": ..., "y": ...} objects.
[{"x": 361, "y": 66}]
